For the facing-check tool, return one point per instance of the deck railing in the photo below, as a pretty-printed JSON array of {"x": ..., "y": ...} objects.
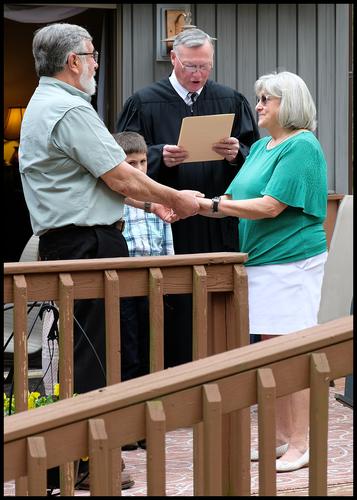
[
  {"x": 217, "y": 281},
  {"x": 201, "y": 394}
]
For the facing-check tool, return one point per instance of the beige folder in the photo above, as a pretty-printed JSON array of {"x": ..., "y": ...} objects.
[{"x": 199, "y": 133}]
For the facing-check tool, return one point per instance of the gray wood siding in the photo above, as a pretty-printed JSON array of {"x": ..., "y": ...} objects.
[{"x": 253, "y": 39}]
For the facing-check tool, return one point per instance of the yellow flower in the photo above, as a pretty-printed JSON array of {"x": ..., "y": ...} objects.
[
  {"x": 56, "y": 390},
  {"x": 33, "y": 396}
]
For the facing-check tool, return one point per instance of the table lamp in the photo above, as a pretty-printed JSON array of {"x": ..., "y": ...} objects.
[{"x": 12, "y": 133}]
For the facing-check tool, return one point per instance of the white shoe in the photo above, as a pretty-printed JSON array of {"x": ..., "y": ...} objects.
[
  {"x": 280, "y": 450},
  {"x": 285, "y": 466}
]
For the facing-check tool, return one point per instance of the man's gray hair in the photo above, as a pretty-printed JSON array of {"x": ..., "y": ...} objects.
[
  {"x": 193, "y": 37},
  {"x": 53, "y": 43},
  {"x": 297, "y": 109}
]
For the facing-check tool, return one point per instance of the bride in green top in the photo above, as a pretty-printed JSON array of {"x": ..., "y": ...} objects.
[{"x": 280, "y": 198}]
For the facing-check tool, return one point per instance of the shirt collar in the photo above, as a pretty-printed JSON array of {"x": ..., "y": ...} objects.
[
  {"x": 49, "y": 80},
  {"x": 182, "y": 92}
]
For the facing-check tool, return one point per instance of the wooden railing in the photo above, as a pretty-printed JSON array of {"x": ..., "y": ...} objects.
[
  {"x": 201, "y": 394},
  {"x": 218, "y": 284}
]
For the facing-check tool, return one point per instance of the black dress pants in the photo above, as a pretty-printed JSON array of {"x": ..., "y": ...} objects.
[
  {"x": 178, "y": 329},
  {"x": 97, "y": 242},
  {"x": 135, "y": 329}
]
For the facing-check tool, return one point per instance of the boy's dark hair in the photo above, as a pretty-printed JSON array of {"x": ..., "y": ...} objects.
[{"x": 131, "y": 142}]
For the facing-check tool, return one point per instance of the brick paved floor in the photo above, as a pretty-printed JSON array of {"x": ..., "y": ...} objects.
[{"x": 179, "y": 460}]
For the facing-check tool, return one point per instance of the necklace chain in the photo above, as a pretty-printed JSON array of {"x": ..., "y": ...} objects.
[{"x": 282, "y": 139}]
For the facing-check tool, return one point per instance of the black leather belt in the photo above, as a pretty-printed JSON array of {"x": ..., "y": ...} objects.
[{"x": 119, "y": 224}]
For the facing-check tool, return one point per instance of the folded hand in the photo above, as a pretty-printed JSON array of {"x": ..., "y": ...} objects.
[
  {"x": 173, "y": 155},
  {"x": 228, "y": 148}
]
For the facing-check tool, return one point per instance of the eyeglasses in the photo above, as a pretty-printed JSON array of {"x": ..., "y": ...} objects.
[
  {"x": 264, "y": 99},
  {"x": 94, "y": 54},
  {"x": 193, "y": 68}
]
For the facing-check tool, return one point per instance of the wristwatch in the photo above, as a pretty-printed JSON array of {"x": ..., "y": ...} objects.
[{"x": 215, "y": 202}]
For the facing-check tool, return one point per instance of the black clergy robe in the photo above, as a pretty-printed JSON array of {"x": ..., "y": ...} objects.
[{"x": 156, "y": 112}]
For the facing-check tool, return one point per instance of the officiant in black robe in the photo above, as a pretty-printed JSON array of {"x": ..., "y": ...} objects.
[{"x": 156, "y": 112}]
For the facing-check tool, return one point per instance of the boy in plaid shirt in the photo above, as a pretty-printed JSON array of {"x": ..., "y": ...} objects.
[{"x": 145, "y": 232}]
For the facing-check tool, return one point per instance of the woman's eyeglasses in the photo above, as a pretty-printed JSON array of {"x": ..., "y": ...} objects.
[{"x": 264, "y": 99}]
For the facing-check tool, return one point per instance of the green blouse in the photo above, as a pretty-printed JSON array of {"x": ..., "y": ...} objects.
[{"x": 295, "y": 173}]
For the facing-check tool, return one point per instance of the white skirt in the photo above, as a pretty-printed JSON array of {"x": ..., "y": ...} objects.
[{"x": 285, "y": 298}]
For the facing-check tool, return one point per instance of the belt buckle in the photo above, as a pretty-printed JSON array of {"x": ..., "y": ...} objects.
[{"x": 120, "y": 224}]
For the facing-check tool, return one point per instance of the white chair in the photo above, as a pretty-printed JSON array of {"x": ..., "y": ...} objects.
[
  {"x": 337, "y": 285},
  {"x": 29, "y": 254}
]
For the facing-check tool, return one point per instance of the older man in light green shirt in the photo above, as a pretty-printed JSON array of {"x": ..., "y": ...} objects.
[{"x": 64, "y": 150}]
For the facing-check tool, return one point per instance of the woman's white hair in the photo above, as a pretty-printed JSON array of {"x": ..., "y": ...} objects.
[{"x": 297, "y": 109}]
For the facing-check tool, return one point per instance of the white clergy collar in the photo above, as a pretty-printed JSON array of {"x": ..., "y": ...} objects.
[{"x": 182, "y": 92}]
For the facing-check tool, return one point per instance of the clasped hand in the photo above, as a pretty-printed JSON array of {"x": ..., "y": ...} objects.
[{"x": 186, "y": 204}]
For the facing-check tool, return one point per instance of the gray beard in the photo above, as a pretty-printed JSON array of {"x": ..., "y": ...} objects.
[{"x": 88, "y": 84}]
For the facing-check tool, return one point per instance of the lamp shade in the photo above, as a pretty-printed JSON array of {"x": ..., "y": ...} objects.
[{"x": 13, "y": 123}]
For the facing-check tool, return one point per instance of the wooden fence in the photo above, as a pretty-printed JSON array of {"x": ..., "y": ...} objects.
[
  {"x": 218, "y": 284},
  {"x": 201, "y": 394}
]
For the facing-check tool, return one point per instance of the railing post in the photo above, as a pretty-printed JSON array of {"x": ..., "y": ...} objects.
[
  {"x": 66, "y": 365},
  {"x": 99, "y": 456},
  {"x": 113, "y": 361},
  {"x": 240, "y": 294},
  {"x": 112, "y": 327},
  {"x": 66, "y": 335},
  {"x": 199, "y": 350},
  {"x": 36, "y": 466},
  {"x": 319, "y": 399},
  {"x": 156, "y": 309},
  {"x": 199, "y": 320},
  {"x": 20, "y": 343},
  {"x": 155, "y": 451},
  {"x": 20, "y": 357},
  {"x": 266, "y": 389},
  {"x": 212, "y": 422}
]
